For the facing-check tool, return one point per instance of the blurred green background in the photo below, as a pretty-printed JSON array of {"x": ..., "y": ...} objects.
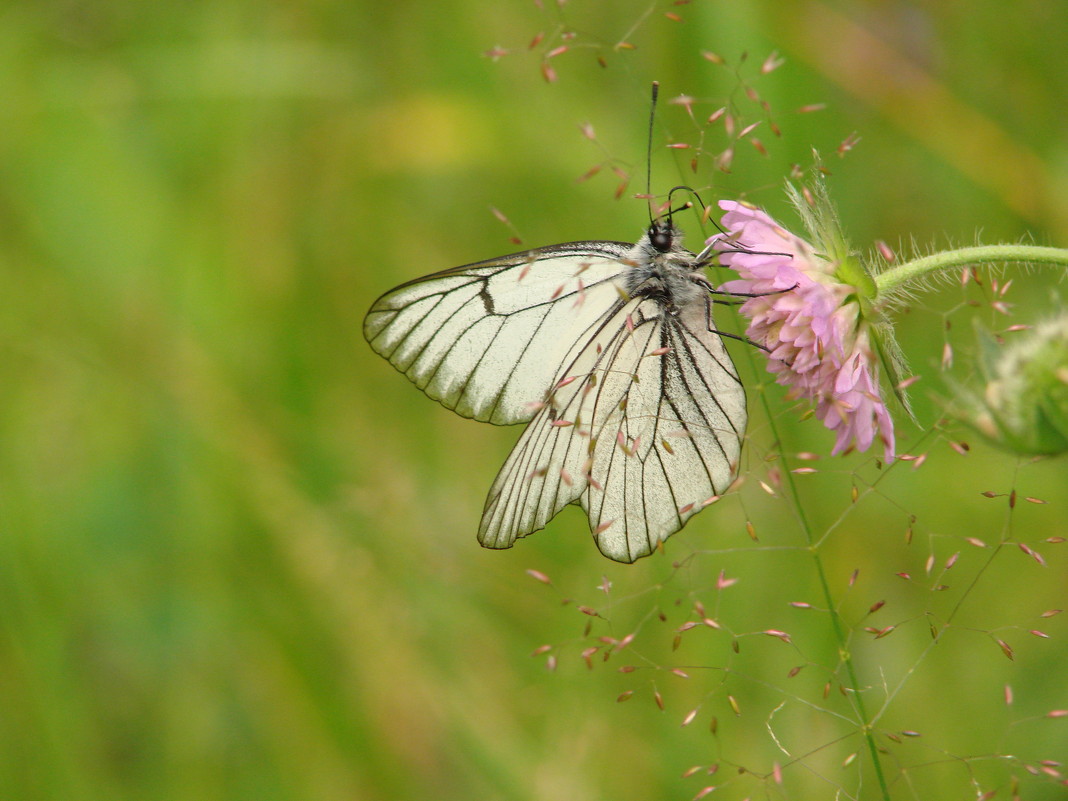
[{"x": 237, "y": 549}]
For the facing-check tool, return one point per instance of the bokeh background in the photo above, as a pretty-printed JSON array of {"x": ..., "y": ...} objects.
[{"x": 237, "y": 551}]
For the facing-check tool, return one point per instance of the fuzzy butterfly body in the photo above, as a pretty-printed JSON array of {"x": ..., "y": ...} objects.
[{"x": 608, "y": 352}]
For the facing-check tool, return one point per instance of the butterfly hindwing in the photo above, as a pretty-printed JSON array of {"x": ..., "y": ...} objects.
[
  {"x": 675, "y": 445},
  {"x": 643, "y": 427}
]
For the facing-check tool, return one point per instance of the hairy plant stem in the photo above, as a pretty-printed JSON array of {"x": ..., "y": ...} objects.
[{"x": 897, "y": 277}]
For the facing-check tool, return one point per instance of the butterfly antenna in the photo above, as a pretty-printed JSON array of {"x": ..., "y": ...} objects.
[
  {"x": 688, "y": 204},
  {"x": 649, "y": 152}
]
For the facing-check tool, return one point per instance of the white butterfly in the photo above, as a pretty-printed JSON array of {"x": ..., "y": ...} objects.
[{"x": 635, "y": 409}]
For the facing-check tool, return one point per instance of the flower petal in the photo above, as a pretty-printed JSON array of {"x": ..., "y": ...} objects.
[{"x": 810, "y": 322}]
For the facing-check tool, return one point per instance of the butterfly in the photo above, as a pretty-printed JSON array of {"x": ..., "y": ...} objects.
[{"x": 608, "y": 352}]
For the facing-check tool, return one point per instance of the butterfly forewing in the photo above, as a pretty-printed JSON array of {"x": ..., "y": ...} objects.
[{"x": 487, "y": 339}]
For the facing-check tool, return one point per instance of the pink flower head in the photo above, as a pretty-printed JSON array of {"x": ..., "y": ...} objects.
[{"x": 810, "y": 321}]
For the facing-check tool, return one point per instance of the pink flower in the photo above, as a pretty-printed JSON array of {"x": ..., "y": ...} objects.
[{"x": 810, "y": 320}]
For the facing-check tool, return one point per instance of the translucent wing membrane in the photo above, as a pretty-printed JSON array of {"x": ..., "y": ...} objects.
[
  {"x": 642, "y": 427},
  {"x": 487, "y": 339},
  {"x": 636, "y": 412}
]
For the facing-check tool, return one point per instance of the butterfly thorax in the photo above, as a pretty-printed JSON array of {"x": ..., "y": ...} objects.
[{"x": 663, "y": 270}]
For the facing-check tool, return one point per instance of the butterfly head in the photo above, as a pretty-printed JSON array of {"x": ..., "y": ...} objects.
[{"x": 662, "y": 235}]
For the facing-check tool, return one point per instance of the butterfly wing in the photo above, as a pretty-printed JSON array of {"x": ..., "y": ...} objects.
[
  {"x": 643, "y": 428},
  {"x": 488, "y": 339}
]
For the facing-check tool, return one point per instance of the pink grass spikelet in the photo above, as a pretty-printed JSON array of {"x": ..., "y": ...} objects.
[
  {"x": 734, "y": 705},
  {"x": 537, "y": 575},
  {"x": 1027, "y": 549},
  {"x": 1006, "y": 649},
  {"x": 592, "y": 171},
  {"x": 748, "y": 129},
  {"x": 772, "y": 62},
  {"x": 885, "y": 251},
  {"x": 587, "y": 656}
]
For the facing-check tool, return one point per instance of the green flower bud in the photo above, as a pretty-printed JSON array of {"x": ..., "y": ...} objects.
[{"x": 1024, "y": 405}]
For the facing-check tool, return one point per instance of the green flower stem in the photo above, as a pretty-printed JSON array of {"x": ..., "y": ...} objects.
[
  {"x": 896, "y": 277},
  {"x": 841, "y": 636}
]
